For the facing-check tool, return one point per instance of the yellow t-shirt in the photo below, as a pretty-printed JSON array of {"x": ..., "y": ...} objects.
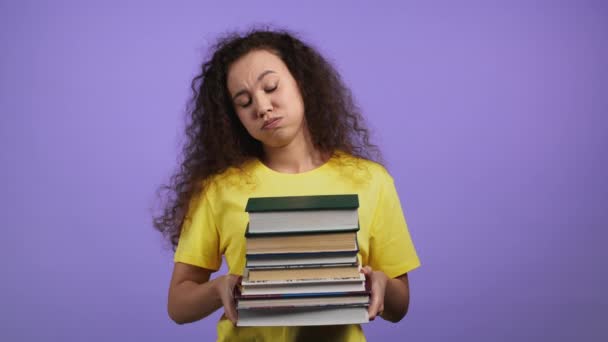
[{"x": 217, "y": 221}]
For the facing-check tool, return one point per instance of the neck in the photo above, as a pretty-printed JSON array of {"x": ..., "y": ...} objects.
[{"x": 298, "y": 156}]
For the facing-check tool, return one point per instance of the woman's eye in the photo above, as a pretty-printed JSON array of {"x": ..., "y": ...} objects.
[
  {"x": 243, "y": 101},
  {"x": 271, "y": 89},
  {"x": 266, "y": 90},
  {"x": 245, "y": 104}
]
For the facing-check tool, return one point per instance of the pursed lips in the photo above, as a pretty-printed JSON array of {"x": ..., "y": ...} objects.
[{"x": 270, "y": 122}]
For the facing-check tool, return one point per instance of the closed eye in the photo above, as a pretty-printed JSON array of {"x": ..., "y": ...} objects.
[
  {"x": 245, "y": 105},
  {"x": 270, "y": 90},
  {"x": 267, "y": 90}
]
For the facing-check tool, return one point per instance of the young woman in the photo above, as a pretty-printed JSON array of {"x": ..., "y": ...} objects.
[{"x": 271, "y": 117}]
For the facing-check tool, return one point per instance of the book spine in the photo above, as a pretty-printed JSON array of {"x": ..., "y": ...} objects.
[
  {"x": 296, "y": 307},
  {"x": 305, "y": 295},
  {"x": 302, "y": 255},
  {"x": 281, "y": 267},
  {"x": 298, "y": 203},
  {"x": 249, "y": 234},
  {"x": 275, "y": 256}
]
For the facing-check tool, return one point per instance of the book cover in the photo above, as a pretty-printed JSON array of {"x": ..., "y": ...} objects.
[{"x": 297, "y": 203}]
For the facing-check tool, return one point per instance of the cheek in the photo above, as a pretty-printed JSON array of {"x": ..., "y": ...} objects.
[
  {"x": 291, "y": 103},
  {"x": 298, "y": 110},
  {"x": 244, "y": 115},
  {"x": 296, "y": 102}
]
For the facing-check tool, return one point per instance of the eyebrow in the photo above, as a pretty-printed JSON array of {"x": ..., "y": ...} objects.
[{"x": 241, "y": 92}]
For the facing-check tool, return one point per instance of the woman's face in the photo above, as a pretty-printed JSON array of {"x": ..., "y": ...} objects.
[{"x": 266, "y": 98}]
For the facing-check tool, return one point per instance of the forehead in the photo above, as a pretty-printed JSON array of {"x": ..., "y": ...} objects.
[{"x": 245, "y": 70}]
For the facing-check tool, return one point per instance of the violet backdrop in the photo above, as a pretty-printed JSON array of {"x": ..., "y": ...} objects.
[{"x": 492, "y": 117}]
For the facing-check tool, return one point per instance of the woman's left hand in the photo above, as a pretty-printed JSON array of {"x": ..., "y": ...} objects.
[{"x": 378, "y": 281}]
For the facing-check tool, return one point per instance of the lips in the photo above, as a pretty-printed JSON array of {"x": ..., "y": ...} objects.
[{"x": 272, "y": 123}]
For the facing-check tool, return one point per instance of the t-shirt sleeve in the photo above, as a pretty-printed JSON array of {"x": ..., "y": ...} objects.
[
  {"x": 199, "y": 240},
  {"x": 391, "y": 247}
]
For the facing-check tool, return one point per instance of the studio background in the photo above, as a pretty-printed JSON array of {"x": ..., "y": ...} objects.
[{"x": 492, "y": 117}]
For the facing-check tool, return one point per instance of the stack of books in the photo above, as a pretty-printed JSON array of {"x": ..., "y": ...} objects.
[{"x": 302, "y": 263}]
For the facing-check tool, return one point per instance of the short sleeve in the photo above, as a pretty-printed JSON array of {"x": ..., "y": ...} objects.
[
  {"x": 391, "y": 247},
  {"x": 199, "y": 240}
]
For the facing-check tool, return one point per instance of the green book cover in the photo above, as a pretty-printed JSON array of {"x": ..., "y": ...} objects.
[{"x": 298, "y": 203}]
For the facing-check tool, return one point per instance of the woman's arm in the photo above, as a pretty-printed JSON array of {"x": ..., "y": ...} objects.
[
  {"x": 193, "y": 297},
  {"x": 396, "y": 299}
]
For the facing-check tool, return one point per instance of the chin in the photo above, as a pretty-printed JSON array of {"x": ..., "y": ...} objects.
[{"x": 277, "y": 141}]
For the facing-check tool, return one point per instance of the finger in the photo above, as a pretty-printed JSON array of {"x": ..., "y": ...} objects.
[
  {"x": 228, "y": 302},
  {"x": 366, "y": 270},
  {"x": 231, "y": 313},
  {"x": 374, "y": 312},
  {"x": 371, "y": 313},
  {"x": 374, "y": 305}
]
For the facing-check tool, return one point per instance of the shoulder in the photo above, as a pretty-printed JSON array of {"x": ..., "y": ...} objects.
[
  {"x": 230, "y": 178},
  {"x": 361, "y": 167}
]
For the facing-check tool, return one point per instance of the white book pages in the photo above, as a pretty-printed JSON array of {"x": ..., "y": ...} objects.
[
  {"x": 313, "y": 220},
  {"x": 302, "y": 316}
]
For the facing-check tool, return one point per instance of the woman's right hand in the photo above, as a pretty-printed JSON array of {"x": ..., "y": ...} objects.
[{"x": 224, "y": 286}]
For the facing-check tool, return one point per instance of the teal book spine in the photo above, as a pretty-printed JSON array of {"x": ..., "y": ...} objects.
[{"x": 299, "y": 203}]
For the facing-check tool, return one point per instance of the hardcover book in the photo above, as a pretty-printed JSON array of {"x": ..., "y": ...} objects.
[{"x": 302, "y": 214}]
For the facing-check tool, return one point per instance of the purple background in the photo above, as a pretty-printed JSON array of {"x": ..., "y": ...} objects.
[{"x": 492, "y": 118}]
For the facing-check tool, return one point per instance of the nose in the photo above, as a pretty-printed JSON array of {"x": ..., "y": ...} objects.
[{"x": 264, "y": 106}]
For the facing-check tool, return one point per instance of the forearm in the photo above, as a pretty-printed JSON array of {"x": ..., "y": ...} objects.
[
  {"x": 396, "y": 300},
  {"x": 190, "y": 301}
]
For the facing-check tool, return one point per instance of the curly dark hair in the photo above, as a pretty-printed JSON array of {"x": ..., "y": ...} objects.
[{"x": 215, "y": 138}]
